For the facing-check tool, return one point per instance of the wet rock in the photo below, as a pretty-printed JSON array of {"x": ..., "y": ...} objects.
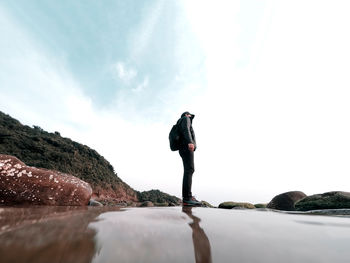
[
  {"x": 146, "y": 204},
  {"x": 21, "y": 184},
  {"x": 329, "y": 200},
  {"x": 286, "y": 201},
  {"x": 94, "y": 203},
  {"x": 260, "y": 205},
  {"x": 230, "y": 205}
]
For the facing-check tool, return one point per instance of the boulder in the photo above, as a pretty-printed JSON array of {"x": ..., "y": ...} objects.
[
  {"x": 286, "y": 201},
  {"x": 329, "y": 200},
  {"x": 21, "y": 184},
  {"x": 230, "y": 205}
]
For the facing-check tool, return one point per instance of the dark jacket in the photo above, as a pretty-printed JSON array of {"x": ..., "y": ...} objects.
[{"x": 186, "y": 132}]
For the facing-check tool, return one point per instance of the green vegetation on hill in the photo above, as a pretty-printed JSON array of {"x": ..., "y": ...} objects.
[
  {"x": 36, "y": 147},
  {"x": 157, "y": 197}
]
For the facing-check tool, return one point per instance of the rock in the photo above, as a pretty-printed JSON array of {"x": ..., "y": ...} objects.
[
  {"x": 230, "y": 205},
  {"x": 146, "y": 204},
  {"x": 260, "y": 205},
  {"x": 21, "y": 184},
  {"x": 286, "y": 201},
  {"x": 94, "y": 203},
  {"x": 329, "y": 200},
  {"x": 206, "y": 204},
  {"x": 157, "y": 196},
  {"x": 121, "y": 192}
]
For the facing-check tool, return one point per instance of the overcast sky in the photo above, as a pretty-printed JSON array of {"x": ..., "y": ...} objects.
[{"x": 268, "y": 81}]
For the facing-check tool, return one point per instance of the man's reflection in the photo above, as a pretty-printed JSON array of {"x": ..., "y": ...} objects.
[{"x": 201, "y": 243}]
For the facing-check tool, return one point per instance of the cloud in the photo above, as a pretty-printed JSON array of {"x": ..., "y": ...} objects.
[
  {"x": 129, "y": 77},
  {"x": 33, "y": 85},
  {"x": 142, "y": 35},
  {"x": 124, "y": 73},
  {"x": 132, "y": 84},
  {"x": 141, "y": 86}
]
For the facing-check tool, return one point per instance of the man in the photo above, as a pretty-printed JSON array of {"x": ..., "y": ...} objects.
[{"x": 186, "y": 151}]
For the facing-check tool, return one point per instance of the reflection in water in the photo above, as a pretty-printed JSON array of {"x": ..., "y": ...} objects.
[
  {"x": 47, "y": 234},
  {"x": 201, "y": 243},
  {"x": 322, "y": 223}
]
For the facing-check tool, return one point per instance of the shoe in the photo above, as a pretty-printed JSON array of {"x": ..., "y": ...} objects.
[{"x": 192, "y": 201}]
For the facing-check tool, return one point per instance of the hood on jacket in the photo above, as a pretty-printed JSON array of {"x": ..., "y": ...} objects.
[{"x": 186, "y": 112}]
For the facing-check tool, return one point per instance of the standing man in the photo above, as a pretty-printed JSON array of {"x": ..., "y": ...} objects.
[{"x": 186, "y": 151}]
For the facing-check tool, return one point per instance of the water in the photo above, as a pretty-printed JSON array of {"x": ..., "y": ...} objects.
[{"x": 93, "y": 234}]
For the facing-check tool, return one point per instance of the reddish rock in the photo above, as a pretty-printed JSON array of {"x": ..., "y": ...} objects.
[
  {"x": 21, "y": 184},
  {"x": 121, "y": 193}
]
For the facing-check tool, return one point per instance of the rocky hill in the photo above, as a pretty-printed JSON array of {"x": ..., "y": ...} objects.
[{"x": 39, "y": 148}]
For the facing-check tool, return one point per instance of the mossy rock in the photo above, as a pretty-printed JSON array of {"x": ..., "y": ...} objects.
[
  {"x": 157, "y": 196},
  {"x": 230, "y": 205},
  {"x": 260, "y": 205},
  {"x": 206, "y": 204},
  {"x": 329, "y": 200}
]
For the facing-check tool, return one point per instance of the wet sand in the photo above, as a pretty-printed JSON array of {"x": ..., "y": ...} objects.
[{"x": 95, "y": 234}]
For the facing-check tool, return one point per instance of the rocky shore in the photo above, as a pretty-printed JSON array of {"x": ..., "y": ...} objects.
[
  {"x": 21, "y": 184},
  {"x": 331, "y": 203},
  {"x": 41, "y": 168}
]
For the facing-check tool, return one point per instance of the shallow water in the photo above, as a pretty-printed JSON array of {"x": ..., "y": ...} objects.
[{"x": 82, "y": 234}]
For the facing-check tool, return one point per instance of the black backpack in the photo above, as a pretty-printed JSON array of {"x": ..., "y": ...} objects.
[{"x": 174, "y": 138}]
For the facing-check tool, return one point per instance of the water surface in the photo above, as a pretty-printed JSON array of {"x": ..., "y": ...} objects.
[{"x": 80, "y": 234}]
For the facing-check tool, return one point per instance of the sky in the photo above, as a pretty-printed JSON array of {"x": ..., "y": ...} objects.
[{"x": 268, "y": 81}]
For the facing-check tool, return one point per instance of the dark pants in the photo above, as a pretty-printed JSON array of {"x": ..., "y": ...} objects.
[{"x": 188, "y": 162}]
